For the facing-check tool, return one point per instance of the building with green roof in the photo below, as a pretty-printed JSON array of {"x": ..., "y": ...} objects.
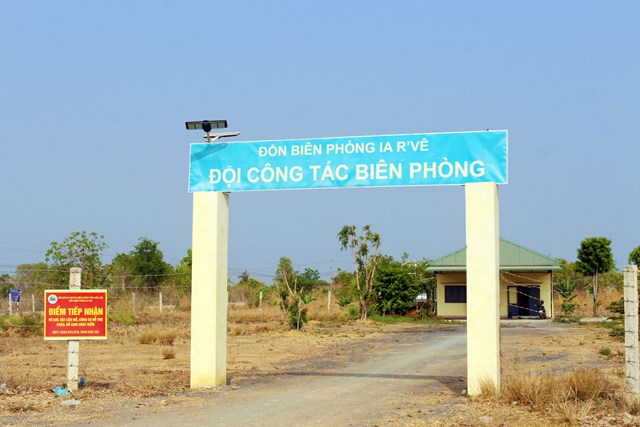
[{"x": 526, "y": 278}]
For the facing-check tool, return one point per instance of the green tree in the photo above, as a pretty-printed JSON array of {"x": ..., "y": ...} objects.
[
  {"x": 397, "y": 287},
  {"x": 425, "y": 281},
  {"x": 244, "y": 276},
  {"x": 248, "y": 290},
  {"x": 634, "y": 257},
  {"x": 79, "y": 249},
  {"x": 566, "y": 289},
  {"x": 342, "y": 287},
  {"x": 294, "y": 297},
  {"x": 183, "y": 273},
  {"x": 148, "y": 261},
  {"x": 595, "y": 257},
  {"x": 310, "y": 279},
  {"x": 364, "y": 248},
  {"x": 6, "y": 283},
  {"x": 122, "y": 272}
]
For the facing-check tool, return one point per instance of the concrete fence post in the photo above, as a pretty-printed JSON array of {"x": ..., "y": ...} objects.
[
  {"x": 631, "y": 333},
  {"x": 73, "y": 357}
]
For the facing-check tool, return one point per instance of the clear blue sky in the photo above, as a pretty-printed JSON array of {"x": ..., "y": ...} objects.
[{"x": 95, "y": 95}]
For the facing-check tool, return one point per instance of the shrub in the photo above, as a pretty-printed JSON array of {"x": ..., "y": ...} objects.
[
  {"x": 605, "y": 351},
  {"x": 353, "y": 313},
  {"x": 146, "y": 337},
  {"x": 168, "y": 353},
  {"x": 165, "y": 337},
  {"x": 122, "y": 319}
]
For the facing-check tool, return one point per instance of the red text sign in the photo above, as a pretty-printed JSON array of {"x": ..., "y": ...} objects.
[{"x": 75, "y": 315}]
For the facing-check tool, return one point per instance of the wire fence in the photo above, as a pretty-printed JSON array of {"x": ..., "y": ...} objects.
[{"x": 129, "y": 293}]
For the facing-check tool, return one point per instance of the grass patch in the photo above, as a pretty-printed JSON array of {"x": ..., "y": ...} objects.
[
  {"x": 22, "y": 325},
  {"x": 571, "y": 319},
  {"x": 165, "y": 337},
  {"x": 605, "y": 351},
  {"x": 617, "y": 328},
  {"x": 122, "y": 319}
]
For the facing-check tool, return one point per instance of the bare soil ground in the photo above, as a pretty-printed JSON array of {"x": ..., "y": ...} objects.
[{"x": 359, "y": 373}]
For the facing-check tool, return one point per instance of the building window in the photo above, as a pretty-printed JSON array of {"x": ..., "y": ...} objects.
[{"x": 455, "y": 294}]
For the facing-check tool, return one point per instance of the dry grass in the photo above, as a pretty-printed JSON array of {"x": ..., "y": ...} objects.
[
  {"x": 566, "y": 398},
  {"x": 165, "y": 337},
  {"x": 255, "y": 315},
  {"x": 543, "y": 390},
  {"x": 168, "y": 353}
]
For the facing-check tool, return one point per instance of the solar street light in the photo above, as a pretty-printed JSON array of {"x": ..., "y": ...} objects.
[{"x": 207, "y": 125}]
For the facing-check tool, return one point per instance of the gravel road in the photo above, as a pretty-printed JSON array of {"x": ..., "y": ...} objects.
[{"x": 362, "y": 387}]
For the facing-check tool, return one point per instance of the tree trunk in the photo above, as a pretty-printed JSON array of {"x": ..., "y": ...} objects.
[{"x": 363, "y": 308}]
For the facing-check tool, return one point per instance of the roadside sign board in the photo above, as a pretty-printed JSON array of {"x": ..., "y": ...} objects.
[
  {"x": 14, "y": 295},
  {"x": 75, "y": 314},
  {"x": 347, "y": 162}
]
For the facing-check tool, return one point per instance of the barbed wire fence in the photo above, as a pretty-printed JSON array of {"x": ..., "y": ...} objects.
[
  {"x": 130, "y": 293},
  {"x": 127, "y": 293}
]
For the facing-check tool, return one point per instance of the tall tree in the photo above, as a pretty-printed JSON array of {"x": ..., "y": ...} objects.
[
  {"x": 6, "y": 283},
  {"x": 244, "y": 276},
  {"x": 148, "y": 261},
  {"x": 634, "y": 257},
  {"x": 595, "y": 257},
  {"x": 183, "y": 273},
  {"x": 364, "y": 248},
  {"x": 294, "y": 297},
  {"x": 122, "y": 272},
  {"x": 310, "y": 279},
  {"x": 396, "y": 287},
  {"x": 79, "y": 249}
]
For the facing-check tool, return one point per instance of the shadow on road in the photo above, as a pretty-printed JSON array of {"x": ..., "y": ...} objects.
[{"x": 454, "y": 383}]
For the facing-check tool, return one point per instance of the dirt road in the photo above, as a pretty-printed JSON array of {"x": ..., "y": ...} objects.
[
  {"x": 404, "y": 375},
  {"x": 362, "y": 390}
]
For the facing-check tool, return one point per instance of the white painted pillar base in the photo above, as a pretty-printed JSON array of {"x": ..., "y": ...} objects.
[
  {"x": 209, "y": 289},
  {"x": 483, "y": 286}
]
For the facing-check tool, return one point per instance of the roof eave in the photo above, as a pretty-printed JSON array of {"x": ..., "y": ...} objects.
[{"x": 502, "y": 268}]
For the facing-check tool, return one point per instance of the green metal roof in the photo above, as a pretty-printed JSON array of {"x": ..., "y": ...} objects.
[{"x": 512, "y": 257}]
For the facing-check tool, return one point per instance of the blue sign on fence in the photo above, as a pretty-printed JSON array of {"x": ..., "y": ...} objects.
[
  {"x": 14, "y": 295},
  {"x": 361, "y": 161}
]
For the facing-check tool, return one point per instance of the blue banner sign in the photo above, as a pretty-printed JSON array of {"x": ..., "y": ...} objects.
[{"x": 347, "y": 162}]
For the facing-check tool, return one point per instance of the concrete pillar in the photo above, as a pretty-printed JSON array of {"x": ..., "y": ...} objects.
[
  {"x": 631, "y": 333},
  {"x": 209, "y": 289},
  {"x": 73, "y": 352},
  {"x": 483, "y": 286}
]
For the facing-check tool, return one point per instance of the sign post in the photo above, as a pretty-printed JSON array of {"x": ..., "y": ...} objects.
[
  {"x": 75, "y": 277},
  {"x": 74, "y": 315}
]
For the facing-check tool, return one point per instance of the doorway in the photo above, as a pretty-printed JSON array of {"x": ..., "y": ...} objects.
[{"x": 523, "y": 301}]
